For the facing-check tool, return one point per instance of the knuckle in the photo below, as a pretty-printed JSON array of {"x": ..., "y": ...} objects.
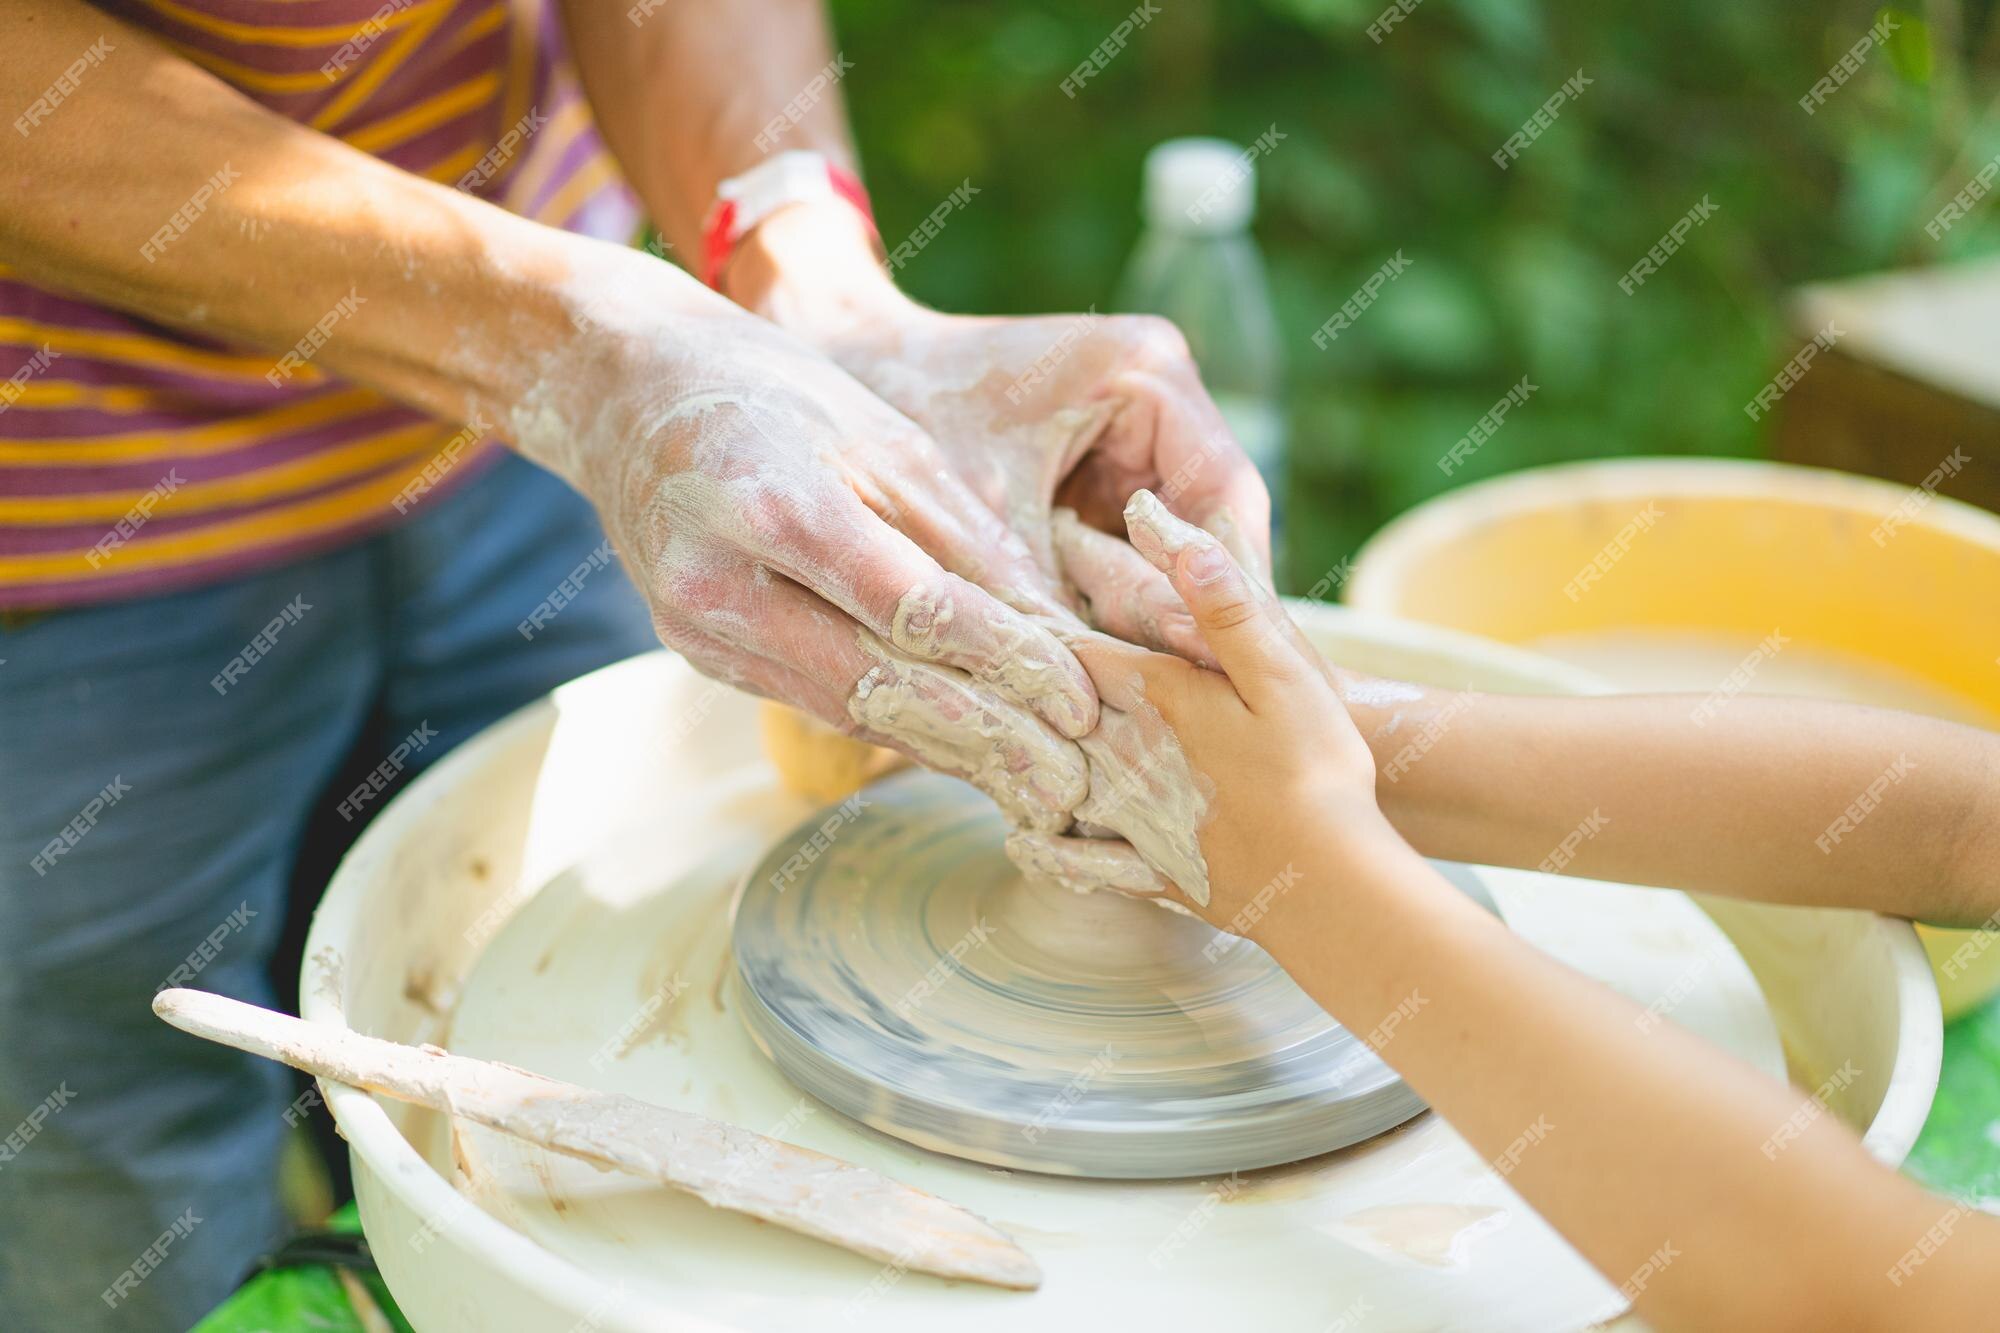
[
  {"x": 785, "y": 522},
  {"x": 1232, "y": 612},
  {"x": 1175, "y": 627},
  {"x": 923, "y": 622},
  {"x": 1153, "y": 340},
  {"x": 778, "y": 525},
  {"x": 687, "y": 598}
]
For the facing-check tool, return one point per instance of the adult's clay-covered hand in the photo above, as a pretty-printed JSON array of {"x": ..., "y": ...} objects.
[
  {"x": 797, "y": 536},
  {"x": 1035, "y": 414},
  {"x": 1072, "y": 414},
  {"x": 1054, "y": 423}
]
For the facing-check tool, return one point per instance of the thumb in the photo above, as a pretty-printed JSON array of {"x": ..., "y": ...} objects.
[
  {"x": 1221, "y": 521},
  {"x": 1234, "y": 613}
]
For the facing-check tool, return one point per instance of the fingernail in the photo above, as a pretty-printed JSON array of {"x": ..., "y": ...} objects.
[
  {"x": 1157, "y": 533},
  {"x": 1205, "y": 564},
  {"x": 1075, "y": 716}
]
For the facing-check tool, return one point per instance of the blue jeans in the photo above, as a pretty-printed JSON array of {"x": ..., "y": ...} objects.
[{"x": 160, "y": 761}]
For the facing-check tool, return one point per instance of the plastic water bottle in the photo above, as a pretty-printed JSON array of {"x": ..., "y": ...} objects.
[{"x": 1197, "y": 264}]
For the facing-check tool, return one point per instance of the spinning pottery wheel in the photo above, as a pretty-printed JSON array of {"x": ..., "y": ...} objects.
[
  {"x": 559, "y": 892},
  {"x": 910, "y": 977}
]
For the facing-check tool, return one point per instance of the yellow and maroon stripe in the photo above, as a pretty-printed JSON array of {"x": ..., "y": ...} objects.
[{"x": 137, "y": 459}]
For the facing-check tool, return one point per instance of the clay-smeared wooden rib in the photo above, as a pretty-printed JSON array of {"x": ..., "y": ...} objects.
[{"x": 808, "y": 1192}]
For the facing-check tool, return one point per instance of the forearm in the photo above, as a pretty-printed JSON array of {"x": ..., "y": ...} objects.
[
  {"x": 685, "y": 110},
  {"x": 1773, "y": 802},
  {"x": 1636, "y": 1139},
  {"x": 433, "y": 297},
  {"x": 697, "y": 91}
]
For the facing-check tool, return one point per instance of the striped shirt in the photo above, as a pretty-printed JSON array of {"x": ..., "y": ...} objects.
[{"x": 135, "y": 459}]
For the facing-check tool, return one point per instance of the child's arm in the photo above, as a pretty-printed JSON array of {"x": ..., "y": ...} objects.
[
  {"x": 1781, "y": 800},
  {"x": 1658, "y": 1149}
]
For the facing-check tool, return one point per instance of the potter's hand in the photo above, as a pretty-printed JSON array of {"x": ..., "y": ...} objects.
[
  {"x": 1080, "y": 410},
  {"x": 1269, "y": 742},
  {"x": 1124, "y": 594},
  {"x": 798, "y": 537},
  {"x": 1085, "y": 409}
]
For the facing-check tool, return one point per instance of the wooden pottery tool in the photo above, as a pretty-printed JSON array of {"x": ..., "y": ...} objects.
[{"x": 727, "y": 1167}]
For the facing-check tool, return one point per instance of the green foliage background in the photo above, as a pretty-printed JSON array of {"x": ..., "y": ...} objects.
[{"x": 1389, "y": 146}]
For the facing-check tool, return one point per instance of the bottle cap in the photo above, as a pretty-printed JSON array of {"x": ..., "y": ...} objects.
[{"x": 1200, "y": 185}]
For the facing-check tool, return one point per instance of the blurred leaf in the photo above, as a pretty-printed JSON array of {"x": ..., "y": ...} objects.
[
  {"x": 1559, "y": 299},
  {"x": 1909, "y": 45},
  {"x": 1328, "y": 14},
  {"x": 1431, "y": 319},
  {"x": 1508, "y": 27},
  {"x": 1389, "y": 145},
  {"x": 1030, "y": 42},
  {"x": 1329, "y": 195},
  {"x": 1886, "y": 188}
]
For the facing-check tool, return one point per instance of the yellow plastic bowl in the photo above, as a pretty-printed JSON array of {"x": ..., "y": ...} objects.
[{"x": 1669, "y": 573}]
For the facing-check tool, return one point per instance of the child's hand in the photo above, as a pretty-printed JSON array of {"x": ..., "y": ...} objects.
[{"x": 1268, "y": 739}]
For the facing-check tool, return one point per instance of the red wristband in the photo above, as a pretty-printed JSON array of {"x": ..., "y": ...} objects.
[{"x": 746, "y": 200}]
